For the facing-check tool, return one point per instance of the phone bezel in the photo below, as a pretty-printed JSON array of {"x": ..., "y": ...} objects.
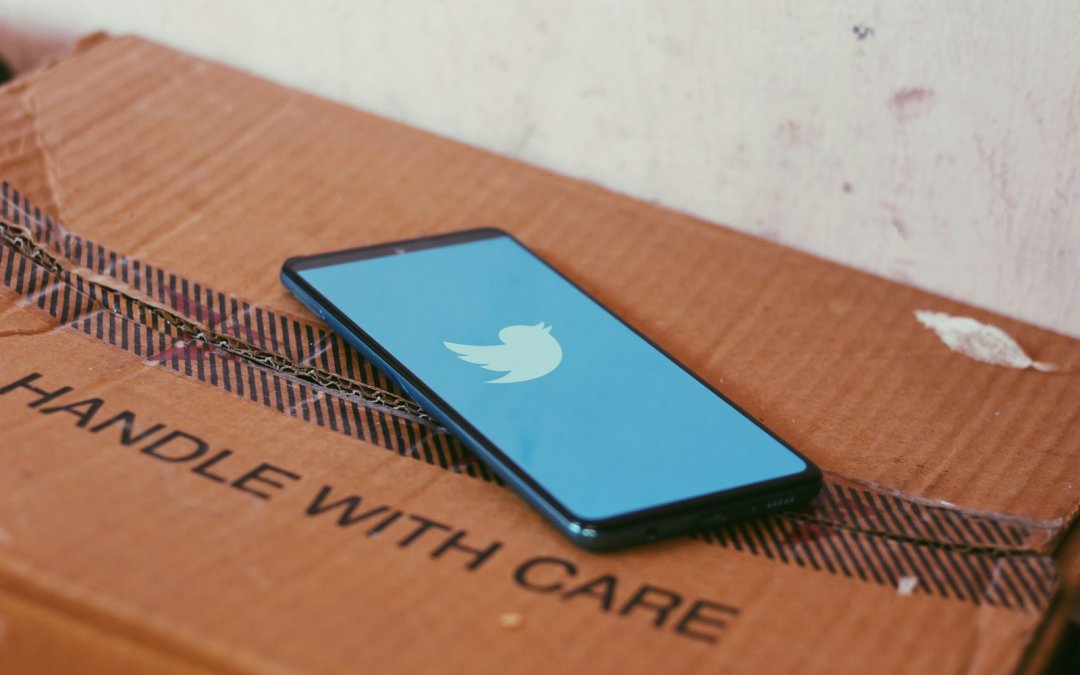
[{"x": 649, "y": 523}]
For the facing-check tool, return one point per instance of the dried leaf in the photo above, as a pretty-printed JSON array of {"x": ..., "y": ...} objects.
[{"x": 979, "y": 341}]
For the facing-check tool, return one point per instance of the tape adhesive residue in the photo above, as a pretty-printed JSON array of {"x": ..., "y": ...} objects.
[{"x": 980, "y": 341}]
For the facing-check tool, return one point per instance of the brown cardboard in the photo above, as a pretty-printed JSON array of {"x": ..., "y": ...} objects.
[
  {"x": 1049, "y": 652},
  {"x": 164, "y": 192}
]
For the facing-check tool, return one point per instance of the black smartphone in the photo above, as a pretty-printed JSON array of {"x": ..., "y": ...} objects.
[{"x": 604, "y": 433}]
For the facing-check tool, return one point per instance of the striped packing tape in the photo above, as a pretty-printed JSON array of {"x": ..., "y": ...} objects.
[{"x": 296, "y": 367}]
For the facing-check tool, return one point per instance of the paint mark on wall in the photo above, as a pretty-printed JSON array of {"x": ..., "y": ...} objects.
[
  {"x": 911, "y": 102},
  {"x": 899, "y": 226},
  {"x": 862, "y": 31},
  {"x": 980, "y": 341},
  {"x": 895, "y": 220},
  {"x": 795, "y": 135}
]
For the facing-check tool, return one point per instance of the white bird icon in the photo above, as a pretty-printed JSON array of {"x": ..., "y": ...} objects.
[{"x": 526, "y": 353}]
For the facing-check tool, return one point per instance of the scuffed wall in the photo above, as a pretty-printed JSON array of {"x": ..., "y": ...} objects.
[{"x": 933, "y": 143}]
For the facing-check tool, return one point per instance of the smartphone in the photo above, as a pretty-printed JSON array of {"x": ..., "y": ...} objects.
[{"x": 601, "y": 430}]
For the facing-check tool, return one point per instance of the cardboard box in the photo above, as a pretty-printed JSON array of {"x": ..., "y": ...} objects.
[{"x": 196, "y": 475}]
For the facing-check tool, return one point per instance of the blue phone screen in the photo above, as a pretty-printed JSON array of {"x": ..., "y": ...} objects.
[{"x": 604, "y": 422}]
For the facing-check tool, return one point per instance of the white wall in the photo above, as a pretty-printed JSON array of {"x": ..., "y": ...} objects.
[{"x": 936, "y": 143}]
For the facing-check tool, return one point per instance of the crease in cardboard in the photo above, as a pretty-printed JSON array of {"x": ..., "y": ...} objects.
[
  {"x": 840, "y": 509},
  {"x": 995, "y": 548},
  {"x": 110, "y": 271},
  {"x": 125, "y": 322},
  {"x": 25, "y": 333},
  {"x": 1032, "y": 532},
  {"x": 1027, "y": 581},
  {"x": 41, "y": 155},
  {"x": 190, "y": 332}
]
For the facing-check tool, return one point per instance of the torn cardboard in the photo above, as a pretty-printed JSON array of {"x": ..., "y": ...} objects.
[{"x": 263, "y": 526}]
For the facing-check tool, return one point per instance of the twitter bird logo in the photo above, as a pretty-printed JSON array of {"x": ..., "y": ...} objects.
[{"x": 526, "y": 353}]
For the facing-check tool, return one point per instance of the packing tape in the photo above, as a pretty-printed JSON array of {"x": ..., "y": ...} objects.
[{"x": 298, "y": 368}]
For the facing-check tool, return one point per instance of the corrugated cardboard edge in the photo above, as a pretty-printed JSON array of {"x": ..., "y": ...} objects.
[
  {"x": 1047, "y": 645},
  {"x": 83, "y": 44}
]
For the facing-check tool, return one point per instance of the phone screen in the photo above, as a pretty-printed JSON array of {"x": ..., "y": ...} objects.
[{"x": 603, "y": 421}]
